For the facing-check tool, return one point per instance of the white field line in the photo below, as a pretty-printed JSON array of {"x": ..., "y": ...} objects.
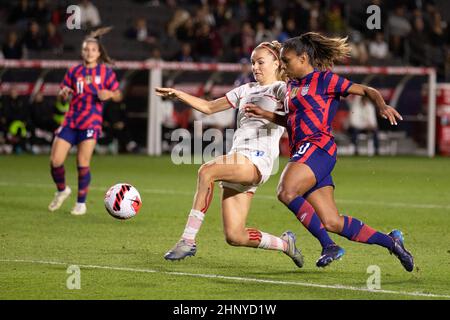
[
  {"x": 258, "y": 196},
  {"x": 238, "y": 279}
]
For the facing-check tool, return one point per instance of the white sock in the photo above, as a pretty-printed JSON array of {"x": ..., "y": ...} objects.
[
  {"x": 271, "y": 242},
  {"x": 193, "y": 225}
]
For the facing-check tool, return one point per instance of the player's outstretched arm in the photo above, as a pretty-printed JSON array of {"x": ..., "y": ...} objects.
[
  {"x": 374, "y": 95},
  {"x": 254, "y": 111},
  {"x": 199, "y": 104}
]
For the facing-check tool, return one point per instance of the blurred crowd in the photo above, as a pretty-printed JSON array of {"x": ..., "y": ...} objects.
[
  {"x": 412, "y": 32},
  {"x": 37, "y": 25},
  {"x": 27, "y": 124}
]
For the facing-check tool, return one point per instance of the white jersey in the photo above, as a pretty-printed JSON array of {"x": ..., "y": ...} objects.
[{"x": 258, "y": 138}]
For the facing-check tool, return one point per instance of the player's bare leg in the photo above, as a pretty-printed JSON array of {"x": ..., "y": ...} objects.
[
  {"x": 234, "y": 168},
  {"x": 296, "y": 178},
  {"x": 323, "y": 202},
  {"x": 235, "y": 209},
  {"x": 58, "y": 155},
  {"x": 84, "y": 156}
]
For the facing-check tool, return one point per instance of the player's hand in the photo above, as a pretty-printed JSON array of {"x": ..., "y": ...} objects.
[
  {"x": 253, "y": 111},
  {"x": 104, "y": 94},
  {"x": 390, "y": 114},
  {"x": 65, "y": 92},
  {"x": 166, "y": 92}
]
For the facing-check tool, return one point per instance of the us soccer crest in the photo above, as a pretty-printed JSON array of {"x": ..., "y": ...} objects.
[
  {"x": 305, "y": 90},
  {"x": 98, "y": 79}
]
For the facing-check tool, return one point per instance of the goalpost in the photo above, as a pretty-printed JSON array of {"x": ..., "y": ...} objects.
[{"x": 402, "y": 87}]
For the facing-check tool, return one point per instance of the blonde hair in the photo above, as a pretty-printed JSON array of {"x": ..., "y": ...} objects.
[
  {"x": 274, "y": 48},
  {"x": 322, "y": 51}
]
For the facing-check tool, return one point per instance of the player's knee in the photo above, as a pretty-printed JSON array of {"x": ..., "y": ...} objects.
[
  {"x": 286, "y": 195},
  {"x": 205, "y": 172},
  {"x": 56, "y": 162},
  {"x": 332, "y": 224},
  {"x": 234, "y": 239},
  {"x": 83, "y": 161}
]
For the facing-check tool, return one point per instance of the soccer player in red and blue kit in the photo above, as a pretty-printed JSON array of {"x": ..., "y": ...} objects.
[
  {"x": 306, "y": 186},
  {"x": 90, "y": 84}
]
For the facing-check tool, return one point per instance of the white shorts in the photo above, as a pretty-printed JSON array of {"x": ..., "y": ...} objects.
[{"x": 263, "y": 163}]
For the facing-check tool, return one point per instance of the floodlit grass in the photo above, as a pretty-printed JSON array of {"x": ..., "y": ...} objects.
[{"x": 124, "y": 259}]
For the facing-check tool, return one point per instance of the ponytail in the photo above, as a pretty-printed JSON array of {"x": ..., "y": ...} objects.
[
  {"x": 322, "y": 51},
  {"x": 95, "y": 36}
]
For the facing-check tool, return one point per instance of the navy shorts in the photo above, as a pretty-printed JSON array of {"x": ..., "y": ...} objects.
[
  {"x": 75, "y": 136},
  {"x": 320, "y": 162}
]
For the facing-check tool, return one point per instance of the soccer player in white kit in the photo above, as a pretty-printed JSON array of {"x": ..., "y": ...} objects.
[{"x": 248, "y": 164}]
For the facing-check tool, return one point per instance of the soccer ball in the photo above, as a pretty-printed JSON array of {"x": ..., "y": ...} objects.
[{"x": 122, "y": 201}]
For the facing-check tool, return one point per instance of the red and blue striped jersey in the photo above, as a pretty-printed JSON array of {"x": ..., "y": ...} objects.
[
  {"x": 86, "y": 109},
  {"x": 312, "y": 102}
]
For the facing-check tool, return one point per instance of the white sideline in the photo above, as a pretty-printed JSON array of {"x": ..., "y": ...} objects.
[
  {"x": 258, "y": 196},
  {"x": 214, "y": 276}
]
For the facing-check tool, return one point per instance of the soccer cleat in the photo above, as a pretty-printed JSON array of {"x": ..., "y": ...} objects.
[
  {"x": 400, "y": 252},
  {"x": 181, "y": 250},
  {"x": 79, "y": 209},
  {"x": 59, "y": 198},
  {"x": 292, "y": 251},
  {"x": 329, "y": 254}
]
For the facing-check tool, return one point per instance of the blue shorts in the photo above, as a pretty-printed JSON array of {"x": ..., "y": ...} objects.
[
  {"x": 320, "y": 162},
  {"x": 75, "y": 136}
]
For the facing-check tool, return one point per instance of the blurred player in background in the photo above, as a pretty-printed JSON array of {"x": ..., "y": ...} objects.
[
  {"x": 246, "y": 74},
  {"x": 249, "y": 163},
  {"x": 17, "y": 120},
  {"x": 90, "y": 84},
  {"x": 363, "y": 119},
  {"x": 306, "y": 186}
]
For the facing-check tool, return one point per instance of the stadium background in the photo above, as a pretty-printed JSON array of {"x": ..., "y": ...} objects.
[
  {"x": 123, "y": 260},
  {"x": 413, "y": 33}
]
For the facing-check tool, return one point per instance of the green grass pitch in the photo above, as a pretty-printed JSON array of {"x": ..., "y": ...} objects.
[{"x": 124, "y": 259}]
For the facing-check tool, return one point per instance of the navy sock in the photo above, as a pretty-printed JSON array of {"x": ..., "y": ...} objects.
[
  {"x": 84, "y": 178},
  {"x": 356, "y": 230},
  {"x": 304, "y": 212},
  {"x": 58, "y": 175}
]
